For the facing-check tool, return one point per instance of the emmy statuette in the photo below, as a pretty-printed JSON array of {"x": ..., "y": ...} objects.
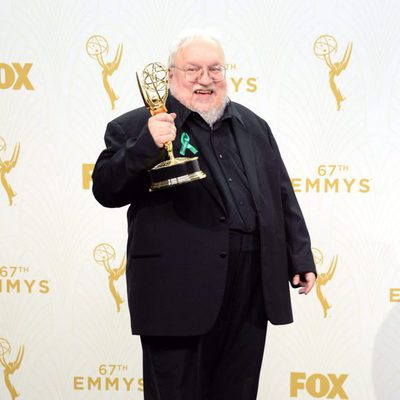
[{"x": 175, "y": 170}]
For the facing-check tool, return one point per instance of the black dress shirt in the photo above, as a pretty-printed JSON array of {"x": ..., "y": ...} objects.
[{"x": 223, "y": 160}]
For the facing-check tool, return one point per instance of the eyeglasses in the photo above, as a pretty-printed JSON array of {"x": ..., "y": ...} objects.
[{"x": 194, "y": 72}]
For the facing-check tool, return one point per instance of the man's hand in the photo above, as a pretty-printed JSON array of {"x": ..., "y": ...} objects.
[
  {"x": 162, "y": 128},
  {"x": 306, "y": 284}
]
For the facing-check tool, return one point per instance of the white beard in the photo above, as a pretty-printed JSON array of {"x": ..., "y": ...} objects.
[
  {"x": 215, "y": 114},
  {"x": 211, "y": 116}
]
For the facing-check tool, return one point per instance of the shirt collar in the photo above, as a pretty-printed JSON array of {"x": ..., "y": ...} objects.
[
  {"x": 232, "y": 111},
  {"x": 183, "y": 113}
]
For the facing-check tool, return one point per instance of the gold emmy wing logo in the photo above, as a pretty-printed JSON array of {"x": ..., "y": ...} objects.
[
  {"x": 96, "y": 47},
  {"x": 103, "y": 254},
  {"x": 10, "y": 366},
  {"x": 323, "y": 277},
  {"x": 6, "y": 166},
  {"x": 324, "y": 46}
]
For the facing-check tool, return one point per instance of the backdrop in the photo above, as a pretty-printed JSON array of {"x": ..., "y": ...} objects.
[{"x": 325, "y": 75}]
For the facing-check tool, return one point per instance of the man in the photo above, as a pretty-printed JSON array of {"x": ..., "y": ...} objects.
[{"x": 208, "y": 261}]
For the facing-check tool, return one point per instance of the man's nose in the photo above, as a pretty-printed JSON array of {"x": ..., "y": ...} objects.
[{"x": 205, "y": 78}]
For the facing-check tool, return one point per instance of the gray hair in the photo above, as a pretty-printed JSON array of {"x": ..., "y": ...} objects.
[{"x": 188, "y": 37}]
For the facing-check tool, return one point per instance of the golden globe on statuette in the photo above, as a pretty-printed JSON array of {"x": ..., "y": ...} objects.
[{"x": 174, "y": 171}]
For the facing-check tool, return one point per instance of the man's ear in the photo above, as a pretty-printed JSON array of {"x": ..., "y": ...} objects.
[{"x": 170, "y": 73}]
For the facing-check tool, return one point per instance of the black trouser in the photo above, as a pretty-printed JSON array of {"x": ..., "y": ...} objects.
[{"x": 225, "y": 362}]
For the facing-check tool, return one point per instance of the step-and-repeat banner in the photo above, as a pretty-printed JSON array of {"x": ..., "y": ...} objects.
[{"x": 325, "y": 75}]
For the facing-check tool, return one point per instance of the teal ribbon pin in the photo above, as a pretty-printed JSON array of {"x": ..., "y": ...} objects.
[{"x": 186, "y": 145}]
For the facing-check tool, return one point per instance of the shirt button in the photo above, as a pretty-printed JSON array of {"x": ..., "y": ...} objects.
[
  {"x": 229, "y": 179},
  {"x": 241, "y": 202},
  {"x": 222, "y": 218},
  {"x": 222, "y": 254},
  {"x": 220, "y": 156}
]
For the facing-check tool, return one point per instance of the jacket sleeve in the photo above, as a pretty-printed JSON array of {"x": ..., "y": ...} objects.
[
  {"x": 298, "y": 243},
  {"x": 121, "y": 172}
]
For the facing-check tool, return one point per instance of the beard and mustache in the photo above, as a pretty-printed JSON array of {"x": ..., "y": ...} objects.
[{"x": 211, "y": 116}]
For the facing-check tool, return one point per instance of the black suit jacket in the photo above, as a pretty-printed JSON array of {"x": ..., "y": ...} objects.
[{"x": 178, "y": 237}]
